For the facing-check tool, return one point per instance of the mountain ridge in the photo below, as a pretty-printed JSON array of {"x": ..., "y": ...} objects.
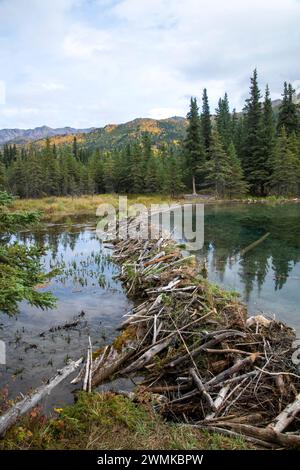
[
  {"x": 111, "y": 135},
  {"x": 23, "y": 136}
]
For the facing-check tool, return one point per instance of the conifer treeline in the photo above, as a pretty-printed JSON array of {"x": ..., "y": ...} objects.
[{"x": 229, "y": 154}]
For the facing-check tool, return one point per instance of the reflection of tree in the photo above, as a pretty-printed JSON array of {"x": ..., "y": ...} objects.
[
  {"x": 54, "y": 237},
  {"x": 230, "y": 229}
]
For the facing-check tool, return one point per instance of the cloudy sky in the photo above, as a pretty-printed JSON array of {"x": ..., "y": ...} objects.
[{"x": 87, "y": 63}]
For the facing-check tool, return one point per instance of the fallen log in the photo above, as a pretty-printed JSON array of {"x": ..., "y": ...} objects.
[
  {"x": 232, "y": 370},
  {"x": 112, "y": 363},
  {"x": 10, "y": 417},
  {"x": 265, "y": 434},
  {"x": 147, "y": 356},
  {"x": 254, "y": 244},
  {"x": 285, "y": 418},
  {"x": 229, "y": 433},
  {"x": 161, "y": 258},
  {"x": 212, "y": 342}
]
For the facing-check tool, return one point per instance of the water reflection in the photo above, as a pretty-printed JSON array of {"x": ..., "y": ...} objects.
[
  {"x": 91, "y": 301},
  {"x": 267, "y": 275}
]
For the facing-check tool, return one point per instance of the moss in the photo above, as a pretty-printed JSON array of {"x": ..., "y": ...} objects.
[
  {"x": 108, "y": 421},
  {"x": 128, "y": 334}
]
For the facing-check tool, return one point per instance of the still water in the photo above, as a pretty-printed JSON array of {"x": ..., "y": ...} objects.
[
  {"x": 91, "y": 301},
  {"x": 268, "y": 275}
]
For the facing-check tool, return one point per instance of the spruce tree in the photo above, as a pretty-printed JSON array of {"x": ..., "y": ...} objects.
[
  {"x": 254, "y": 163},
  {"x": 288, "y": 114},
  {"x": 224, "y": 121},
  {"x": 218, "y": 166},
  {"x": 193, "y": 146},
  {"x": 284, "y": 180},
  {"x": 236, "y": 184},
  {"x": 137, "y": 169},
  {"x": 268, "y": 131},
  {"x": 3, "y": 181},
  {"x": 206, "y": 121}
]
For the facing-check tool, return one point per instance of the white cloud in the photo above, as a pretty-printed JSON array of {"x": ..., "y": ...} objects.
[
  {"x": 83, "y": 43},
  {"x": 162, "y": 113},
  {"x": 89, "y": 62},
  {"x": 2, "y": 92},
  {"x": 52, "y": 86}
]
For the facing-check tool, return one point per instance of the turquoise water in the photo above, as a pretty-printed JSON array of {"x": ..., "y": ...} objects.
[{"x": 268, "y": 275}]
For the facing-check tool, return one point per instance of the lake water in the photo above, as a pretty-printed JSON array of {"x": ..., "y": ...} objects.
[
  {"x": 90, "y": 297},
  {"x": 268, "y": 275}
]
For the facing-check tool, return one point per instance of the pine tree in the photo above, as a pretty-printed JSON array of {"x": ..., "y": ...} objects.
[
  {"x": 288, "y": 114},
  {"x": 268, "y": 132},
  {"x": 173, "y": 176},
  {"x": 206, "y": 121},
  {"x": 108, "y": 172},
  {"x": 151, "y": 180},
  {"x": 254, "y": 164},
  {"x": 193, "y": 146},
  {"x": 218, "y": 166},
  {"x": 224, "y": 121},
  {"x": 95, "y": 172},
  {"x": 18, "y": 177},
  {"x": 3, "y": 179},
  {"x": 75, "y": 148},
  {"x": 137, "y": 169},
  {"x": 35, "y": 174},
  {"x": 285, "y": 177},
  {"x": 50, "y": 169},
  {"x": 236, "y": 185}
]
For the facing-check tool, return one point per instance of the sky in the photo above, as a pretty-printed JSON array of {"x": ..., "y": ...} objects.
[{"x": 84, "y": 63}]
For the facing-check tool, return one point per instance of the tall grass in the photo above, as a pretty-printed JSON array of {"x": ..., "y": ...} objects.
[{"x": 64, "y": 206}]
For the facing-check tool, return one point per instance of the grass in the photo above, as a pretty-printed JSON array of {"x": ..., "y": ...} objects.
[
  {"x": 68, "y": 206},
  {"x": 105, "y": 421}
]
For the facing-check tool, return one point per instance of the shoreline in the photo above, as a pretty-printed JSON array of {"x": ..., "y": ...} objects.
[
  {"x": 146, "y": 286},
  {"x": 53, "y": 207}
]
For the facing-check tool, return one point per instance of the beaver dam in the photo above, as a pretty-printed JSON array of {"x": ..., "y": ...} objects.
[{"x": 203, "y": 362}]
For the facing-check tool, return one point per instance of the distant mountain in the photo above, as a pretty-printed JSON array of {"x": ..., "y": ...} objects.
[
  {"x": 111, "y": 136},
  {"x": 22, "y": 136},
  {"x": 170, "y": 130}
]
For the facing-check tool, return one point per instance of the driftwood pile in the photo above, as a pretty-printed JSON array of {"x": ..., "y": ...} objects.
[{"x": 204, "y": 362}]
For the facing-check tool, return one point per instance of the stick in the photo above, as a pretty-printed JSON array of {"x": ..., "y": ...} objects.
[
  {"x": 227, "y": 432},
  {"x": 286, "y": 416},
  {"x": 254, "y": 244},
  {"x": 113, "y": 363},
  {"x": 218, "y": 401},
  {"x": 23, "y": 406},
  {"x": 87, "y": 370},
  {"x": 200, "y": 386},
  {"x": 91, "y": 364},
  {"x": 147, "y": 356},
  {"x": 162, "y": 258},
  {"x": 212, "y": 342},
  {"x": 232, "y": 370},
  {"x": 266, "y": 434},
  {"x": 154, "y": 329}
]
